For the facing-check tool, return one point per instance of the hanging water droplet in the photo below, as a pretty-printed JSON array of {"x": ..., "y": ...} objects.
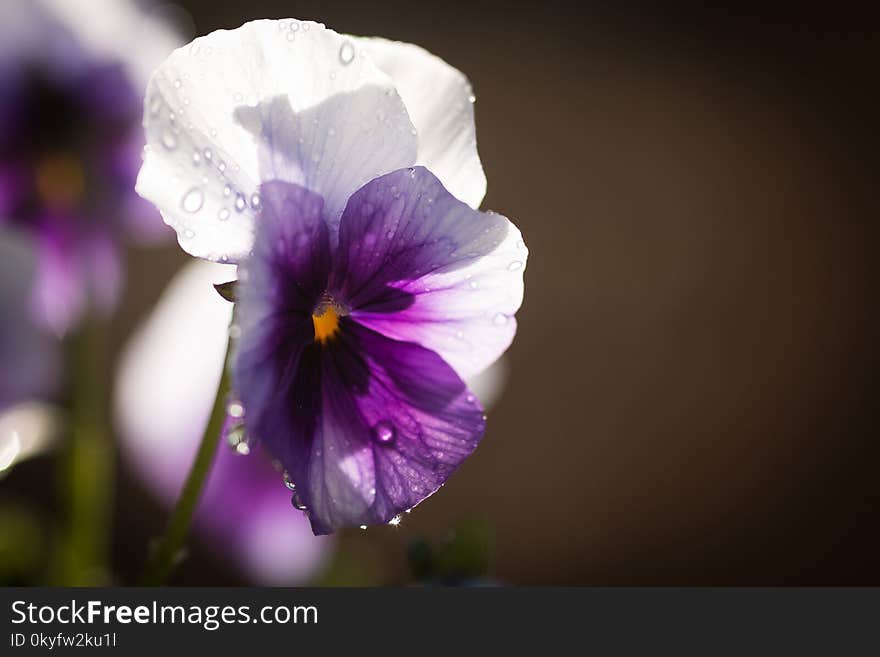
[
  {"x": 513, "y": 266},
  {"x": 297, "y": 503},
  {"x": 240, "y": 203},
  {"x": 363, "y": 526},
  {"x": 243, "y": 449},
  {"x": 236, "y": 437},
  {"x": 235, "y": 409},
  {"x": 395, "y": 521},
  {"x": 384, "y": 433},
  {"x": 285, "y": 477},
  {"x": 193, "y": 200},
  {"x": 500, "y": 319},
  {"x": 346, "y": 53}
]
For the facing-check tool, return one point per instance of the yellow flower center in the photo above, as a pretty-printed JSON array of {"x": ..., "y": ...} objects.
[
  {"x": 326, "y": 324},
  {"x": 60, "y": 181}
]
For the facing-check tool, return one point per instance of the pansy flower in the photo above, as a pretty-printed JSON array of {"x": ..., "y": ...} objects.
[
  {"x": 71, "y": 81},
  {"x": 341, "y": 174}
]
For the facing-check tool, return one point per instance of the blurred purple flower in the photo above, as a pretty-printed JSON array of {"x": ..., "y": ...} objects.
[
  {"x": 166, "y": 383},
  {"x": 70, "y": 143},
  {"x": 370, "y": 288},
  {"x": 29, "y": 361}
]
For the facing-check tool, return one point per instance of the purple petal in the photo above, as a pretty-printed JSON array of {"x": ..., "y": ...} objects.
[
  {"x": 416, "y": 264},
  {"x": 368, "y": 428},
  {"x": 279, "y": 287}
]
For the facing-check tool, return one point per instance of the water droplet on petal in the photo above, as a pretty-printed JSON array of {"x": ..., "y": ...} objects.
[
  {"x": 297, "y": 503},
  {"x": 197, "y": 158},
  {"x": 193, "y": 200},
  {"x": 227, "y": 190},
  {"x": 223, "y": 215},
  {"x": 395, "y": 521},
  {"x": 513, "y": 266},
  {"x": 285, "y": 477},
  {"x": 235, "y": 409},
  {"x": 500, "y": 319},
  {"x": 384, "y": 433},
  {"x": 208, "y": 154},
  {"x": 240, "y": 203},
  {"x": 363, "y": 526},
  {"x": 168, "y": 139},
  {"x": 346, "y": 53},
  {"x": 255, "y": 201}
]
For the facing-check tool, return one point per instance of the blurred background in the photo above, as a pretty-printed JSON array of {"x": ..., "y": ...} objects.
[{"x": 692, "y": 393}]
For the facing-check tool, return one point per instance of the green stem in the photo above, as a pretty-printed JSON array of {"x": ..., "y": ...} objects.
[
  {"x": 88, "y": 476},
  {"x": 164, "y": 557}
]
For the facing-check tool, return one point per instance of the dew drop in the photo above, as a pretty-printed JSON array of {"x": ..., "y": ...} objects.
[
  {"x": 197, "y": 158},
  {"x": 513, "y": 266},
  {"x": 169, "y": 141},
  {"x": 256, "y": 201},
  {"x": 223, "y": 215},
  {"x": 291, "y": 36},
  {"x": 363, "y": 526},
  {"x": 235, "y": 409},
  {"x": 395, "y": 521},
  {"x": 346, "y": 53},
  {"x": 193, "y": 200},
  {"x": 240, "y": 203},
  {"x": 227, "y": 190},
  {"x": 285, "y": 477},
  {"x": 384, "y": 433},
  {"x": 297, "y": 503},
  {"x": 500, "y": 319},
  {"x": 242, "y": 449},
  {"x": 155, "y": 104},
  {"x": 208, "y": 154}
]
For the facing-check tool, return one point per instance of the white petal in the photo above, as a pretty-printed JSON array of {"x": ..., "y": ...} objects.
[
  {"x": 489, "y": 384},
  {"x": 168, "y": 376},
  {"x": 440, "y": 102},
  {"x": 285, "y": 100}
]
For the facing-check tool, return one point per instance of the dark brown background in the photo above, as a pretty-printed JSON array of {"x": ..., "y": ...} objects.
[{"x": 692, "y": 396}]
